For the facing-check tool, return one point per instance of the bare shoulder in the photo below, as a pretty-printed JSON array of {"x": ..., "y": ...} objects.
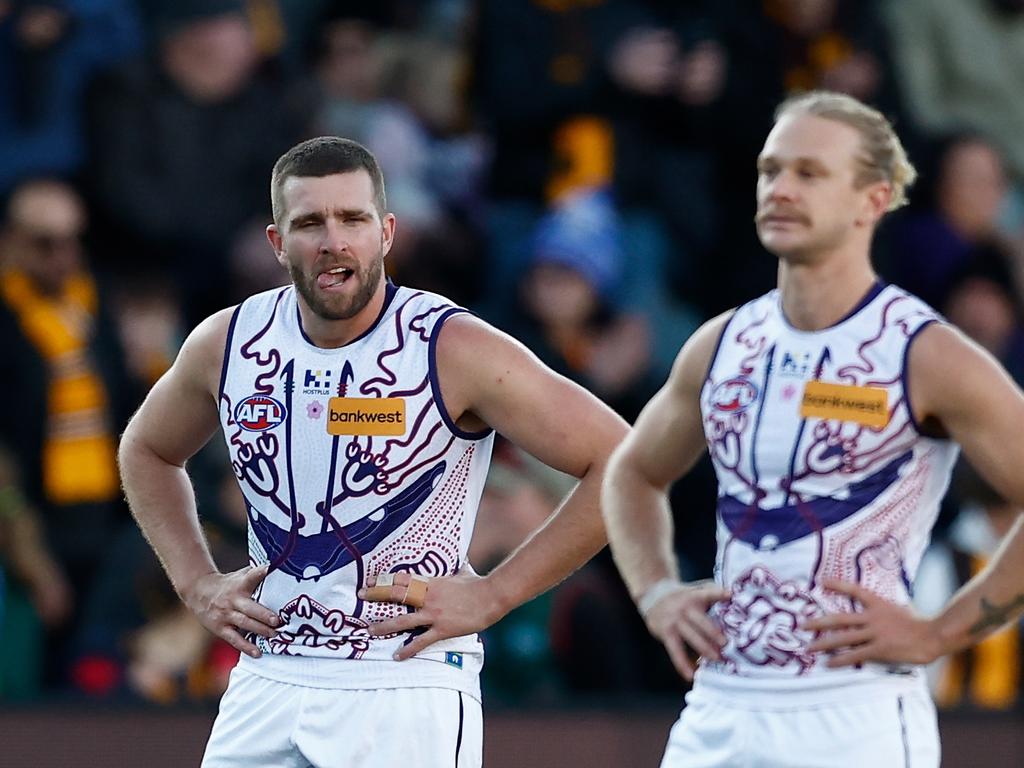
[
  {"x": 469, "y": 343},
  {"x": 475, "y": 361},
  {"x": 695, "y": 357},
  {"x": 202, "y": 355},
  {"x": 951, "y": 376},
  {"x": 941, "y": 356},
  {"x": 488, "y": 379},
  {"x": 940, "y": 344}
]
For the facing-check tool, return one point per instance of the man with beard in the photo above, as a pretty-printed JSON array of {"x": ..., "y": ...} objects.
[
  {"x": 832, "y": 408},
  {"x": 359, "y": 418}
]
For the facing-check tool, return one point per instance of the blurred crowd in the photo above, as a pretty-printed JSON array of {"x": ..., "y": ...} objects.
[{"x": 579, "y": 172}]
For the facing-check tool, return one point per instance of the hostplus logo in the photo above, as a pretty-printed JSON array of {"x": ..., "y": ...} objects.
[
  {"x": 795, "y": 365},
  {"x": 316, "y": 382}
]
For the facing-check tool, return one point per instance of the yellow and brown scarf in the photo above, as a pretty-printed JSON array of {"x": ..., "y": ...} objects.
[{"x": 79, "y": 450}]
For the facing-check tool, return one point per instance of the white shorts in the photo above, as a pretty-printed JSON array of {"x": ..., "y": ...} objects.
[
  {"x": 890, "y": 728},
  {"x": 263, "y": 722}
]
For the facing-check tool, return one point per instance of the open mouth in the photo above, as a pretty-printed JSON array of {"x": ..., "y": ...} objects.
[{"x": 334, "y": 278}]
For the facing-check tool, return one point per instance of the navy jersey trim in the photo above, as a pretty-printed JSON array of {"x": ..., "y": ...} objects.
[
  {"x": 873, "y": 292},
  {"x": 718, "y": 344},
  {"x": 435, "y": 384},
  {"x": 390, "y": 291},
  {"x": 227, "y": 352},
  {"x": 870, "y": 296}
]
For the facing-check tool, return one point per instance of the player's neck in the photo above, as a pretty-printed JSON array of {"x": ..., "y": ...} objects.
[
  {"x": 817, "y": 296},
  {"x": 331, "y": 334}
]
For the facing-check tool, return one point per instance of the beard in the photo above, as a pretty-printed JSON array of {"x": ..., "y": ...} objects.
[{"x": 339, "y": 307}]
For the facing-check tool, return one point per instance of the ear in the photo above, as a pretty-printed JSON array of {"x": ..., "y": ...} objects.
[
  {"x": 387, "y": 232},
  {"x": 277, "y": 243},
  {"x": 876, "y": 203}
]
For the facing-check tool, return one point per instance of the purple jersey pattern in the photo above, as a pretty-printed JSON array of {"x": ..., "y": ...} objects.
[
  {"x": 329, "y": 511},
  {"x": 803, "y": 499}
]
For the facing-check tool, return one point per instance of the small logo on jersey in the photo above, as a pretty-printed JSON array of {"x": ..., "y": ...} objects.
[
  {"x": 863, "y": 405},
  {"x": 795, "y": 365},
  {"x": 314, "y": 410},
  {"x": 316, "y": 382},
  {"x": 455, "y": 659},
  {"x": 258, "y": 413},
  {"x": 734, "y": 395},
  {"x": 366, "y": 416}
]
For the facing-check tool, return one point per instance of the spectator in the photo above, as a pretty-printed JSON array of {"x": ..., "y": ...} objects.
[
  {"x": 50, "y": 50},
  {"x": 63, "y": 367},
  {"x": 180, "y": 144},
  {"x": 960, "y": 66},
  {"x": 929, "y": 246},
  {"x": 568, "y": 312},
  {"x": 984, "y": 303},
  {"x": 29, "y": 577}
]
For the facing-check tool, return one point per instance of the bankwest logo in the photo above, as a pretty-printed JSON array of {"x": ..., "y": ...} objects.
[
  {"x": 863, "y": 405},
  {"x": 366, "y": 416}
]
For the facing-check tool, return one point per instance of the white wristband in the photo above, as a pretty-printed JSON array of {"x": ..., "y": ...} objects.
[{"x": 653, "y": 594}]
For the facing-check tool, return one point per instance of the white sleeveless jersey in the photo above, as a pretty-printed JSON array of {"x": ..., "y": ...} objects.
[
  {"x": 350, "y": 467},
  {"x": 822, "y": 474}
]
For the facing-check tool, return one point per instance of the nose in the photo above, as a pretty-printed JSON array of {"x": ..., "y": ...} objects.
[{"x": 335, "y": 239}]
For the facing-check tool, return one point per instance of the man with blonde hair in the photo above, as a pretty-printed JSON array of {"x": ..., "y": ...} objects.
[{"x": 832, "y": 408}]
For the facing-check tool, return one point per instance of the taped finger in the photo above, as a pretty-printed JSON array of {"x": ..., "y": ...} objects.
[{"x": 416, "y": 592}]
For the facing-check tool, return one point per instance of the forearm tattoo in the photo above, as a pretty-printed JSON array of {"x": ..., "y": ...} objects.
[{"x": 996, "y": 615}]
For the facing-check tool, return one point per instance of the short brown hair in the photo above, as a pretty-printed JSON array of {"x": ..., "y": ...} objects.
[
  {"x": 324, "y": 156},
  {"x": 883, "y": 157}
]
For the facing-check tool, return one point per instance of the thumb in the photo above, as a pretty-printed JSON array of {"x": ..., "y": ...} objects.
[
  {"x": 712, "y": 593},
  {"x": 256, "y": 575}
]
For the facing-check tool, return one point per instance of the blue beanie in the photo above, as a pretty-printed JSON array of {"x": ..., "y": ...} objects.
[{"x": 582, "y": 233}]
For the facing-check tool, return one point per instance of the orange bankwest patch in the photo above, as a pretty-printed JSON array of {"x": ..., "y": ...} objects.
[
  {"x": 366, "y": 416},
  {"x": 845, "y": 402}
]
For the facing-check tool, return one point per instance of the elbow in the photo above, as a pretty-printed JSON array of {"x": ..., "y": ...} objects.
[{"x": 134, "y": 452}]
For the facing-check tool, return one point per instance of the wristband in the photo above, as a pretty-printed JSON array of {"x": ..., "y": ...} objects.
[{"x": 653, "y": 594}]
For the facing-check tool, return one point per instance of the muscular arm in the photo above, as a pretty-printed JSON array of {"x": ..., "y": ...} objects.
[
  {"x": 496, "y": 379},
  {"x": 666, "y": 441},
  {"x": 959, "y": 389},
  {"x": 488, "y": 379},
  {"x": 177, "y": 418}
]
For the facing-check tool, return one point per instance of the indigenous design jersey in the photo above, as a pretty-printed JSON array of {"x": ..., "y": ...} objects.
[
  {"x": 350, "y": 467},
  {"x": 821, "y": 470}
]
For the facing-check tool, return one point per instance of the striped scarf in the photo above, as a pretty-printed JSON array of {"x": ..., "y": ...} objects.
[{"x": 78, "y": 458}]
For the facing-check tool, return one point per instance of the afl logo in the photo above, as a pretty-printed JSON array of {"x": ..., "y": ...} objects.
[
  {"x": 258, "y": 413},
  {"x": 734, "y": 395}
]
